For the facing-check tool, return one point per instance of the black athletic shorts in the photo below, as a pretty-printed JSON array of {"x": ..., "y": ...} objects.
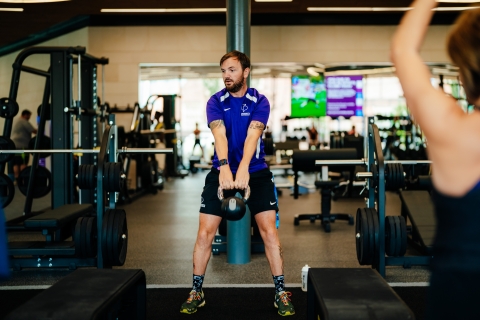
[{"x": 263, "y": 196}]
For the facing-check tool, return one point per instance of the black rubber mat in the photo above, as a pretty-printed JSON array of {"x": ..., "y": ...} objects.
[{"x": 221, "y": 303}]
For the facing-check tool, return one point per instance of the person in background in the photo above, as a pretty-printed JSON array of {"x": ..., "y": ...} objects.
[
  {"x": 455, "y": 154},
  {"x": 313, "y": 136},
  {"x": 352, "y": 131},
  {"x": 196, "y": 132},
  {"x": 21, "y": 135}
]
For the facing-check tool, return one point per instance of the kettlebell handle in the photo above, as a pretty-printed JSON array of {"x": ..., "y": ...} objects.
[{"x": 245, "y": 196}]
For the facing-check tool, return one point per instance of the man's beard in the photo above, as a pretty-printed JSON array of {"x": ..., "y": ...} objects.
[{"x": 236, "y": 86}]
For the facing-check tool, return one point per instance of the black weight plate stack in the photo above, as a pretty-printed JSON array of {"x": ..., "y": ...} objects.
[
  {"x": 364, "y": 248},
  {"x": 109, "y": 245},
  {"x": 373, "y": 216},
  {"x": 390, "y": 175},
  {"x": 45, "y": 144},
  {"x": 390, "y": 236},
  {"x": 105, "y": 226},
  {"x": 403, "y": 236},
  {"x": 7, "y": 190},
  {"x": 398, "y": 236},
  {"x": 42, "y": 184},
  {"x": 82, "y": 176},
  {"x": 77, "y": 238},
  {"x": 8, "y": 108},
  {"x": 91, "y": 237},
  {"x": 358, "y": 236},
  {"x": 120, "y": 238},
  {"x": 6, "y": 144},
  {"x": 92, "y": 176},
  {"x": 371, "y": 237}
]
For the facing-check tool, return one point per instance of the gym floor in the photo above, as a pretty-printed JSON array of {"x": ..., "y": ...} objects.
[{"x": 162, "y": 231}]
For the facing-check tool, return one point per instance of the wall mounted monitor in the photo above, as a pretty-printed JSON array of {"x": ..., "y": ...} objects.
[
  {"x": 308, "y": 97},
  {"x": 344, "y": 96}
]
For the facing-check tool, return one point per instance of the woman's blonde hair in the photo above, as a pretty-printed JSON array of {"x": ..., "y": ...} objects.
[{"x": 463, "y": 46}]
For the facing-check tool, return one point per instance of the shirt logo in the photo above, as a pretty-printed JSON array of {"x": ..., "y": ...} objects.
[
  {"x": 226, "y": 109},
  {"x": 272, "y": 203},
  {"x": 202, "y": 205},
  {"x": 244, "y": 108}
]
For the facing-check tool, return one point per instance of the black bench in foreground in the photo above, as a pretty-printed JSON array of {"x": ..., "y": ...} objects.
[
  {"x": 90, "y": 294},
  {"x": 352, "y": 294}
]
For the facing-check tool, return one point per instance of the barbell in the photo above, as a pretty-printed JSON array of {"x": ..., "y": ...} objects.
[
  {"x": 364, "y": 162},
  {"x": 122, "y": 150}
]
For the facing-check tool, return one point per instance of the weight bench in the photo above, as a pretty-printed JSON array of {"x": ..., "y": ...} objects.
[
  {"x": 89, "y": 294},
  {"x": 352, "y": 294},
  {"x": 304, "y": 160},
  {"x": 417, "y": 206},
  {"x": 56, "y": 225}
]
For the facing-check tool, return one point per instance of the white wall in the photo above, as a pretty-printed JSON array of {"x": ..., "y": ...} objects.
[{"x": 127, "y": 47}]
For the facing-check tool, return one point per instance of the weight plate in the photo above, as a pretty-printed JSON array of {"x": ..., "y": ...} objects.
[
  {"x": 398, "y": 236},
  {"x": 106, "y": 217},
  {"x": 81, "y": 176},
  {"x": 403, "y": 236},
  {"x": 8, "y": 108},
  {"x": 92, "y": 176},
  {"x": 7, "y": 190},
  {"x": 371, "y": 237},
  {"x": 45, "y": 144},
  {"x": 84, "y": 237},
  {"x": 91, "y": 237},
  {"x": 110, "y": 242},
  {"x": 116, "y": 236},
  {"x": 389, "y": 236},
  {"x": 376, "y": 228},
  {"x": 121, "y": 237},
  {"x": 6, "y": 144},
  {"x": 42, "y": 181},
  {"x": 77, "y": 237},
  {"x": 358, "y": 236},
  {"x": 364, "y": 235}
]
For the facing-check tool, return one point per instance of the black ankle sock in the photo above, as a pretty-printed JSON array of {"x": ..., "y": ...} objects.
[
  {"x": 198, "y": 283},
  {"x": 279, "y": 283}
]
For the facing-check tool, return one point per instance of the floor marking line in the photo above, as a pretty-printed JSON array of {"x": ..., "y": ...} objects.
[{"x": 226, "y": 285}]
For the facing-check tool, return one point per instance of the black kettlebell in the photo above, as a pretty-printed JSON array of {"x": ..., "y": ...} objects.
[{"x": 234, "y": 207}]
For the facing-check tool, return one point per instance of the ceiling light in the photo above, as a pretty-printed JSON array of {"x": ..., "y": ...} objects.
[
  {"x": 379, "y": 9},
  {"x": 31, "y": 1},
  {"x": 458, "y": 1},
  {"x": 12, "y": 9},
  {"x": 161, "y": 10},
  {"x": 273, "y": 0}
]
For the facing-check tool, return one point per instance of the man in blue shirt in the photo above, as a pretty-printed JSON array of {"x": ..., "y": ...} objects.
[{"x": 237, "y": 116}]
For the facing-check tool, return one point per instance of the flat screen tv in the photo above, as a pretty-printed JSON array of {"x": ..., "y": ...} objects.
[
  {"x": 308, "y": 97},
  {"x": 344, "y": 96}
]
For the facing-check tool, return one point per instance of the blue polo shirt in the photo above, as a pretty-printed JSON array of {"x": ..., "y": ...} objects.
[{"x": 237, "y": 113}]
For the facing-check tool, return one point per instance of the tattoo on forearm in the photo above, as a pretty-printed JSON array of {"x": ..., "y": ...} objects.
[
  {"x": 281, "y": 255},
  {"x": 216, "y": 124},
  {"x": 256, "y": 125}
]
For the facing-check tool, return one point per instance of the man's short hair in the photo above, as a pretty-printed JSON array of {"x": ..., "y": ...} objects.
[
  {"x": 240, "y": 56},
  {"x": 26, "y": 113}
]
